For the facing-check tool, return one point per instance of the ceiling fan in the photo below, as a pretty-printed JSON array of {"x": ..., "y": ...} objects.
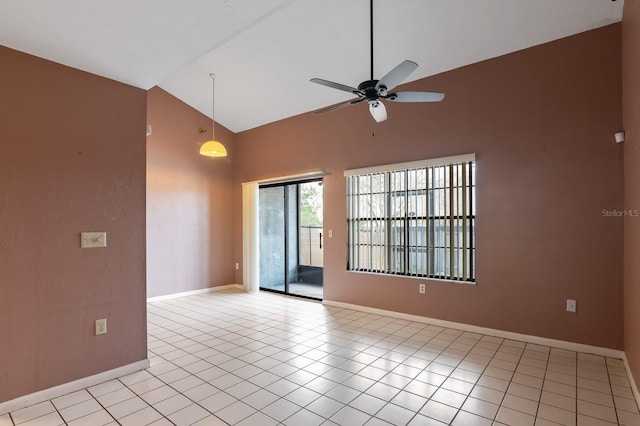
[{"x": 373, "y": 91}]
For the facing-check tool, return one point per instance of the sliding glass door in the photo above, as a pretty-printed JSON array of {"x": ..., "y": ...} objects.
[{"x": 290, "y": 216}]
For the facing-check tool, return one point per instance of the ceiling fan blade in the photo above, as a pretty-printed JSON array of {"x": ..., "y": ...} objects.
[
  {"x": 339, "y": 106},
  {"x": 333, "y": 85},
  {"x": 416, "y": 97},
  {"x": 397, "y": 75},
  {"x": 378, "y": 111}
]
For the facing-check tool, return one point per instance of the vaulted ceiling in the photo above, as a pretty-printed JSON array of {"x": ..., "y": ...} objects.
[{"x": 265, "y": 51}]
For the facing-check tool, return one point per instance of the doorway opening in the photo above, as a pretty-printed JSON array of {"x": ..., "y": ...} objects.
[{"x": 291, "y": 258}]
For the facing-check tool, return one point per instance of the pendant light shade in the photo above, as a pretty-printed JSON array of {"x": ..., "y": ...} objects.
[{"x": 213, "y": 148}]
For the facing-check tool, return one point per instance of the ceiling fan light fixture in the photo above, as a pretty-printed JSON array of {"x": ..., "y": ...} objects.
[
  {"x": 213, "y": 148},
  {"x": 378, "y": 111}
]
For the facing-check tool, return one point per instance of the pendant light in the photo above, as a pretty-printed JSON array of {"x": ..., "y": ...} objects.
[{"x": 213, "y": 148}]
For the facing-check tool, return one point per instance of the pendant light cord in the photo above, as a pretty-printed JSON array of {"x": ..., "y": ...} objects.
[{"x": 213, "y": 106}]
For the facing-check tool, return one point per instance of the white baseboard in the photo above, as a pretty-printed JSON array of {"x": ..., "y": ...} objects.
[
  {"x": 65, "y": 388},
  {"x": 193, "y": 292},
  {"x": 560, "y": 344}
]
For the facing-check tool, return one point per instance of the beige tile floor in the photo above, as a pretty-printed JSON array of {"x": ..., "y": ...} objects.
[{"x": 263, "y": 359}]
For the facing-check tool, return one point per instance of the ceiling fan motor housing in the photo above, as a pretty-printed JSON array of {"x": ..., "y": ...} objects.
[{"x": 369, "y": 91}]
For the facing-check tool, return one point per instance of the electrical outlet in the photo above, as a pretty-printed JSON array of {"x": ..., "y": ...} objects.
[
  {"x": 571, "y": 305},
  {"x": 237, "y": 265},
  {"x": 101, "y": 326},
  {"x": 422, "y": 288}
]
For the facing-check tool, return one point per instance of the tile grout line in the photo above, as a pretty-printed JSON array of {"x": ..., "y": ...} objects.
[
  {"x": 337, "y": 384},
  {"x": 475, "y": 384},
  {"x": 293, "y": 334},
  {"x": 577, "y": 368},
  {"x": 510, "y": 379},
  {"x": 148, "y": 405},
  {"x": 546, "y": 368},
  {"x": 228, "y": 372},
  {"x": 180, "y": 393},
  {"x": 615, "y": 408},
  {"x": 462, "y": 333},
  {"x": 457, "y": 366}
]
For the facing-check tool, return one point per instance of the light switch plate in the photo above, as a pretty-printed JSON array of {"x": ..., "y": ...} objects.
[
  {"x": 93, "y": 239},
  {"x": 571, "y": 305}
]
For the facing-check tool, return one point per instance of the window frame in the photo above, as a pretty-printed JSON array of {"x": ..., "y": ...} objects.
[{"x": 401, "y": 241}]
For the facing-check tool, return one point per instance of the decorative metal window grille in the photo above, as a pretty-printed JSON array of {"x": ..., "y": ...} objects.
[{"x": 415, "y": 219}]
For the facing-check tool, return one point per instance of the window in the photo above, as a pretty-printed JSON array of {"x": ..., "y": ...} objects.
[{"x": 415, "y": 219}]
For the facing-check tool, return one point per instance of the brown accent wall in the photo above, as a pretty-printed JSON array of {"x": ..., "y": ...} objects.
[
  {"x": 72, "y": 159},
  {"x": 541, "y": 123},
  {"x": 631, "y": 116},
  {"x": 189, "y": 208}
]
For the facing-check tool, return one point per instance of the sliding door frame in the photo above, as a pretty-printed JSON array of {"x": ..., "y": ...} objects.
[{"x": 251, "y": 225}]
